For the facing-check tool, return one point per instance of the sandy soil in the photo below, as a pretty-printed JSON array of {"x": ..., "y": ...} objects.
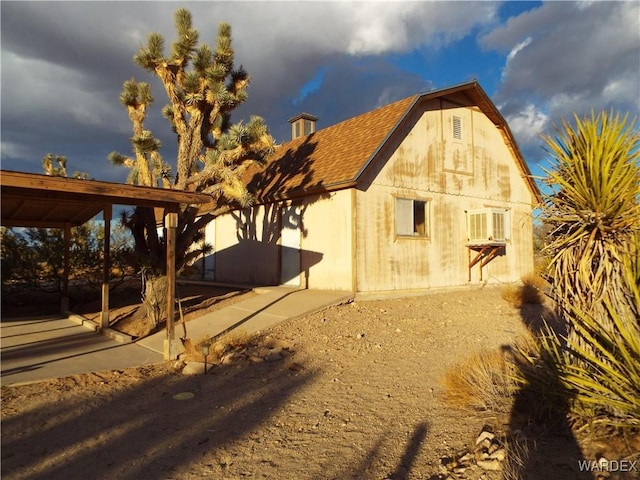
[{"x": 358, "y": 396}]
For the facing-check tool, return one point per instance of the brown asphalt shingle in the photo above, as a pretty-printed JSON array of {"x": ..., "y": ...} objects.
[
  {"x": 327, "y": 158},
  {"x": 333, "y": 157}
]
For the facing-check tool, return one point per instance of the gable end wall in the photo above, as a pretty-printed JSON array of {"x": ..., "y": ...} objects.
[{"x": 452, "y": 175}]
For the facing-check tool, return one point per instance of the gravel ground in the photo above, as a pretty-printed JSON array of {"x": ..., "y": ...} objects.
[{"x": 356, "y": 394}]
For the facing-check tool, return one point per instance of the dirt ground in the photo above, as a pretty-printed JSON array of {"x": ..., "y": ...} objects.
[{"x": 359, "y": 395}]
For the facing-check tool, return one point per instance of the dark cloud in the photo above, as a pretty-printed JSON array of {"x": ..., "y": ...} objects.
[
  {"x": 335, "y": 100},
  {"x": 63, "y": 64},
  {"x": 566, "y": 57}
]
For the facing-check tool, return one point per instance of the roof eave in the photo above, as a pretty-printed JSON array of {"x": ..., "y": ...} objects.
[{"x": 323, "y": 189}]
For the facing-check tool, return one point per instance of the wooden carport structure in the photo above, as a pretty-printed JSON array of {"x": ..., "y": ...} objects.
[{"x": 42, "y": 201}]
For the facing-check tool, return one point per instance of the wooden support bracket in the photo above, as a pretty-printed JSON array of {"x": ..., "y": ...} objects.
[{"x": 485, "y": 253}]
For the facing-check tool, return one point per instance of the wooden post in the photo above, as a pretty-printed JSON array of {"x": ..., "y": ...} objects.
[
  {"x": 104, "y": 317},
  {"x": 64, "y": 302},
  {"x": 171, "y": 224}
]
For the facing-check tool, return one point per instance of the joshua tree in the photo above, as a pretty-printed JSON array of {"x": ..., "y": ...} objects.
[
  {"x": 49, "y": 162},
  {"x": 203, "y": 88}
]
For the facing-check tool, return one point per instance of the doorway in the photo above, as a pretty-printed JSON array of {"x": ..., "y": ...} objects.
[{"x": 290, "y": 235}]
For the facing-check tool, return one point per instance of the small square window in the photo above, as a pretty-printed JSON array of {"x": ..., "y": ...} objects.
[
  {"x": 412, "y": 217},
  {"x": 308, "y": 127}
]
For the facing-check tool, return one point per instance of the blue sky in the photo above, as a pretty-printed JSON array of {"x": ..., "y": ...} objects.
[
  {"x": 63, "y": 64},
  {"x": 462, "y": 60}
]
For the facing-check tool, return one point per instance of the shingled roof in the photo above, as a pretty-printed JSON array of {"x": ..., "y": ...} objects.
[{"x": 334, "y": 157}]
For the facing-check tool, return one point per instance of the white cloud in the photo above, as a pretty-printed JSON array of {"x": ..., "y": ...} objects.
[
  {"x": 528, "y": 124},
  {"x": 517, "y": 48},
  {"x": 624, "y": 88},
  {"x": 567, "y": 57},
  {"x": 14, "y": 150},
  {"x": 381, "y": 27}
]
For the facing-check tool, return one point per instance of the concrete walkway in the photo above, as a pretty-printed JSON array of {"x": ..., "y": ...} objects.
[
  {"x": 36, "y": 349},
  {"x": 271, "y": 306}
]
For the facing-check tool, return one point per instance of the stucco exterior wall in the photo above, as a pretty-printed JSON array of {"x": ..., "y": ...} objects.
[
  {"x": 249, "y": 249},
  {"x": 246, "y": 246},
  {"x": 453, "y": 175},
  {"x": 328, "y": 231}
]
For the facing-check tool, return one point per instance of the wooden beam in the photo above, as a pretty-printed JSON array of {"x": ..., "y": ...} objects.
[
  {"x": 490, "y": 256},
  {"x": 484, "y": 256},
  {"x": 38, "y": 223},
  {"x": 64, "y": 303},
  {"x": 106, "y": 266},
  {"x": 95, "y": 191},
  {"x": 171, "y": 225}
]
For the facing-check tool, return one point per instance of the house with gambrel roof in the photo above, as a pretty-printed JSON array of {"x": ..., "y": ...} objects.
[{"x": 429, "y": 191}]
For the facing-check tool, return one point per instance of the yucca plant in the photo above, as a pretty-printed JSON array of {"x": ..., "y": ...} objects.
[
  {"x": 592, "y": 206},
  {"x": 595, "y": 211},
  {"x": 599, "y": 368}
]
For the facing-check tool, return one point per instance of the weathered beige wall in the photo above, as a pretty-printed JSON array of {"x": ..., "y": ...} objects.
[
  {"x": 328, "y": 226},
  {"x": 454, "y": 176},
  {"x": 246, "y": 246},
  {"x": 248, "y": 243}
]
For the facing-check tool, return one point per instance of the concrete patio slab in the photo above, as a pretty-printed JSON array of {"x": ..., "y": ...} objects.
[
  {"x": 272, "y": 306},
  {"x": 36, "y": 349}
]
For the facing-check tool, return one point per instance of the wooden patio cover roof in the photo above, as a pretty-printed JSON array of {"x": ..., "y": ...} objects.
[{"x": 34, "y": 200}]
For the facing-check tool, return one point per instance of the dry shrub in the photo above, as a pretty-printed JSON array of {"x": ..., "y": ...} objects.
[
  {"x": 232, "y": 341},
  {"x": 483, "y": 382},
  {"x": 517, "y": 455},
  {"x": 531, "y": 290}
]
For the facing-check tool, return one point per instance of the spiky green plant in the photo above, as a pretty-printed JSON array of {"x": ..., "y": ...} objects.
[
  {"x": 595, "y": 211},
  {"x": 593, "y": 206},
  {"x": 599, "y": 368}
]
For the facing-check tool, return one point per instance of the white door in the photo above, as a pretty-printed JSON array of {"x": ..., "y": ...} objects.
[{"x": 290, "y": 242}]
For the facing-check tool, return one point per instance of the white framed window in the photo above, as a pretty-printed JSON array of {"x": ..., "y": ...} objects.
[
  {"x": 488, "y": 225},
  {"x": 309, "y": 127},
  {"x": 412, "y": 217}
]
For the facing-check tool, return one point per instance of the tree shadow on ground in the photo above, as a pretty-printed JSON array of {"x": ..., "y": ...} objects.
[
  {"x": 539, "y": 419},
  {"x": 367, "y": 467},
  {"x": 142, "y": 431},
  {"x": 405, "y": 465}
]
